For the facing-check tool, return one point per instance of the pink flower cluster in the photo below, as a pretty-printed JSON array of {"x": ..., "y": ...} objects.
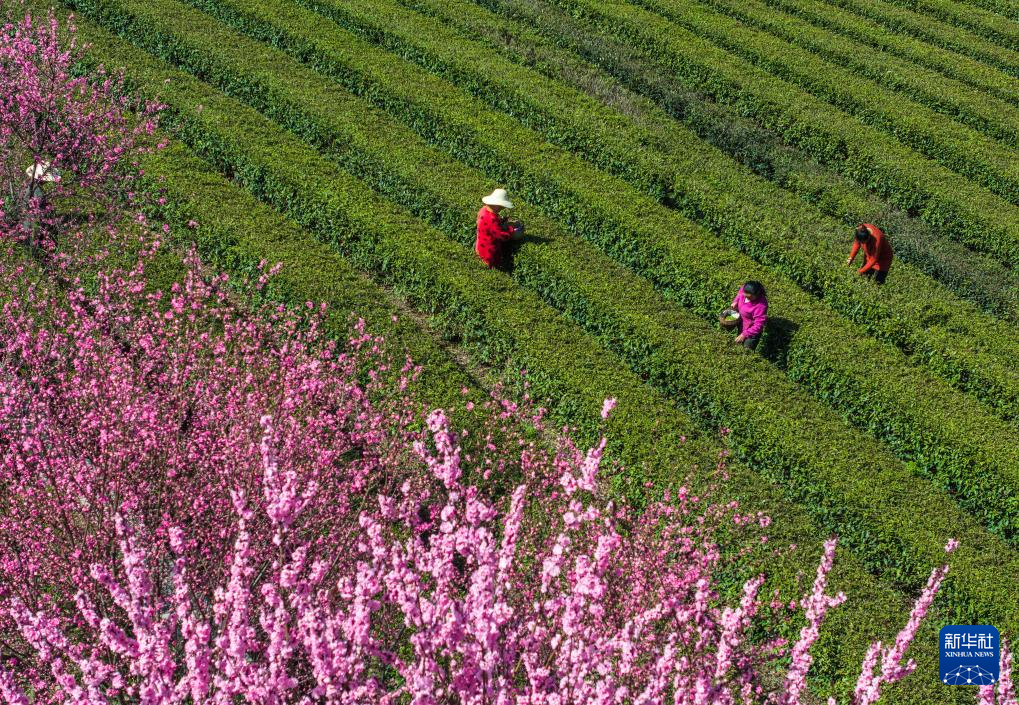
[
  {"x": 437, "y": 598},
  {"x": 162, "y": 406}
]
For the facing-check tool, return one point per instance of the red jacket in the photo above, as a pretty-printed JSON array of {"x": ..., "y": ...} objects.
[
  {"x": 877, "y": 251},
  {"x": 492, "y": 232}
]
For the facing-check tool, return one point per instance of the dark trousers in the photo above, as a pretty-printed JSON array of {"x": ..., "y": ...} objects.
[
  {"x": 751, "y": 342},
  {"x": 878, "y": 276}
]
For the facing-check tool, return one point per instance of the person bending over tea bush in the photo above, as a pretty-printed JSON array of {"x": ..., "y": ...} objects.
[{"x": 877, "y": 252}]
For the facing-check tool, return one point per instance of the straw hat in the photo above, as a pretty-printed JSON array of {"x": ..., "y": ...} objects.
[
  {"x": 497, "y": 198},
  {"x": 41, "y": 172}
]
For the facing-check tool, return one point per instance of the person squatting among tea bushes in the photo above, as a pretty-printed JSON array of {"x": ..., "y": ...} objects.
[
  {"x": 32, "y": 208},
  {"x": 494, "y": 228},
  {"x": 877, "y": 252},
  {"x": 751, "y": 304}
]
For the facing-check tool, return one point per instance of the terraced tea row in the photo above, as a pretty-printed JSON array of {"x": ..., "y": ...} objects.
[
  {"x": 984, "y": 221},
  {"x": 307, "y": 186},
  {"x": 1000, "y": 30},
  {"x": 941, "y": 34},
  {"x": 1006, "y": 8},
  {"x": 872, "y": 33},
  {"x": 965, "y": 105},
  {"x": 834, "y": 375},
  {"x": 919, "y": 324},
  {"x": 967, "y": 274},
  {"x": 961, "y": 149},
  {"x": 943, "y": 48}
]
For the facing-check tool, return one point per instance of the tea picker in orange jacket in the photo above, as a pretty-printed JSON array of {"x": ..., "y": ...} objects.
[
  {"x": 494, "y": 229},
  {"x": 877, "y": 252}
]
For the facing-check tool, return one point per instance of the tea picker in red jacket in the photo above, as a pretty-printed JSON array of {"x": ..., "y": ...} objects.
[
  {"x": 494, "y": 229},
  {"x": 877, "y": 252}
]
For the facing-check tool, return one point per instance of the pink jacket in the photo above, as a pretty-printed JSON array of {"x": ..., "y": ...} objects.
[{"x": 752, "y": 315}]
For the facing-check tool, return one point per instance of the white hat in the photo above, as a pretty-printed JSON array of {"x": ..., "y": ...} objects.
[
  {"x": 41, "y": 172},
  {"x": 497, "y": 198}
]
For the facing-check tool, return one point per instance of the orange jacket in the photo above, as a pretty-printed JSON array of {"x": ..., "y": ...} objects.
[{"x": 877, "y": 251}]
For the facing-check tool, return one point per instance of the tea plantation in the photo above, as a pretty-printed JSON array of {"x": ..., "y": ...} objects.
[{"x": 661, "y": 153}]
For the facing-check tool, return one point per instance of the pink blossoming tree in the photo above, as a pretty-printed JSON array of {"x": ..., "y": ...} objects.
[
  {"x": 459, "y": 603},
  {"x": 66, "y": 140},
  {"x": 152, "y": 405}
]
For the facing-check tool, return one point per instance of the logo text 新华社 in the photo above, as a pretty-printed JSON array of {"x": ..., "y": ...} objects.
[
  {"x": 968, "y": 654},
  {"x": 970, "y": 645}
]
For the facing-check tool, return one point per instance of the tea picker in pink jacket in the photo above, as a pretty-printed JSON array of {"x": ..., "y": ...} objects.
[{"x": 752, "y": 305}]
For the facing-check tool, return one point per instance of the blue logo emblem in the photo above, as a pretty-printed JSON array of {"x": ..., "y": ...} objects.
[{"x": 968, "y": 655}]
